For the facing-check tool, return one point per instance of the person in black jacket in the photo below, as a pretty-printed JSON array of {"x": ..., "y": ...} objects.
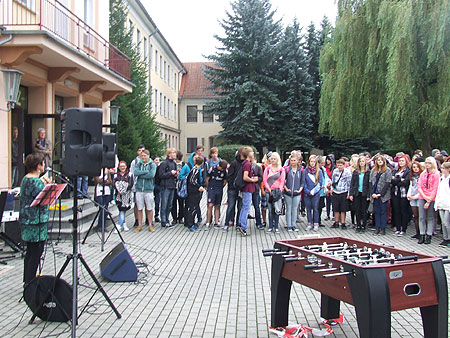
[
  {"x": 359, "y": 193},
  {"x": 232, "y": 193},
  {"x": 167, "y": 173},
  {"x": 401, "y": 211},
  {"x": 194, "y": 190}
]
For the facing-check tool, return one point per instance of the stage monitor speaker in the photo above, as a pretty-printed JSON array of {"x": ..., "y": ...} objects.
[
  {"x": 109, "y": 150},
  {"x": 118, "y": 266},
  {"x": 82, "y": 141},
  {"x": 49, "y": 298}
]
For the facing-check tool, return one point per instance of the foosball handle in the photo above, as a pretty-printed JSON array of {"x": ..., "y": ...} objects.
[
  {"x": 446, "y": 261},
  {"x": 293, "y": 259},
  {"x": 270, "y": 250},
  {"x": 313, "y": 266},
  {"x": 272, "y": 253}
]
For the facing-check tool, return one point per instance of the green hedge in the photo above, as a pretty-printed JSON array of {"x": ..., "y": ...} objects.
[{"x": 228, "y": 152}]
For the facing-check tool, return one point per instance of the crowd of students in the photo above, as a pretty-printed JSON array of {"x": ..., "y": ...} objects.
[{"x": 375, "y": 190}]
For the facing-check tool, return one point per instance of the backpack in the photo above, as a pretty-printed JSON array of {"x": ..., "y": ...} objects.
[
  {"x": 182, "y": 185},
  {"x": 157, "y": 180},
  {"x": 239, "y": 183}
]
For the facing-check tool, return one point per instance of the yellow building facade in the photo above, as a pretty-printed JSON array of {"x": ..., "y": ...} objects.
[
  {"x": 199, "y": 125},
  {"x": 63, "y": 50},
  {"x": 165, "y": 71}
]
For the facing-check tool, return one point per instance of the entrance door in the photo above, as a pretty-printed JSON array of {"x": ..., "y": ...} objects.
[{"x": 18, "y": 121}]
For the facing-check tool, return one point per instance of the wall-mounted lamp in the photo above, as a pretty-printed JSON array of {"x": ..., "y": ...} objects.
[
  {"x": 11, "y": 82},
  {"x": 114, "y": 115}
]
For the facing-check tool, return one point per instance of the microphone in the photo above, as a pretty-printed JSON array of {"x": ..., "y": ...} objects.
[{"x": 56, "y": 172}]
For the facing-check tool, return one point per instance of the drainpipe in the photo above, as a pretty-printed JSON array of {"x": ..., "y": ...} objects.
[{"x": 3, "y": 28}]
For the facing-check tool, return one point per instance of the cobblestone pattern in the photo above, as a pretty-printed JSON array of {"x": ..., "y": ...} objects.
[{"x": 200, "y": 284}]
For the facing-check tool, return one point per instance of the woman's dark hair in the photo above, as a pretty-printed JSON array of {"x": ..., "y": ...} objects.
[
  {"x": 179, "y": 155},
  {"x": 33, "y": 160}
]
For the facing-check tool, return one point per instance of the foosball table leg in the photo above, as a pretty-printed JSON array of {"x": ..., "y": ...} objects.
[
  {"x": 329, "y": 307},
  {"x": 370, "y": 293},
  {"x": 281, "y": 291},
  {"x": 435, "y": 317}
]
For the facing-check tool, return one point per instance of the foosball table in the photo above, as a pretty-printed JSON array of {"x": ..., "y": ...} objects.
[{"x": 375, "y": 279}]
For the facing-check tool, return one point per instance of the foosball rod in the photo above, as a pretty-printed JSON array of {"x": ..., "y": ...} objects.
[{"x": 391, "y": 260}]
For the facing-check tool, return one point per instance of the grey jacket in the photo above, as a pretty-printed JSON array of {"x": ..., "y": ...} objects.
[{"x": 384, "y": 185}]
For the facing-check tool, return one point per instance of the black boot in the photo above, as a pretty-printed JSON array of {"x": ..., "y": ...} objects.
[
  {"x": 421, "y": 239},
  {"x": 358, "y": 229},
  {"x": 363, "y": 228},
  {"x": 427, "y": 239},
  {"x": 377, "y": 232},
  {"x": 383, "y": 231}
]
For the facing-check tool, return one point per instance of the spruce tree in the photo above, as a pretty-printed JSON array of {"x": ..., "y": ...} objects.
[
  {"x": 136, "y": 122},
  {"x": 293, "y": 123},
  {"x": 244, "y": 76}
]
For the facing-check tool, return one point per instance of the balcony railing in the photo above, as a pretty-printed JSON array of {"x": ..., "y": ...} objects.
[{"x": 54, "y": 17}]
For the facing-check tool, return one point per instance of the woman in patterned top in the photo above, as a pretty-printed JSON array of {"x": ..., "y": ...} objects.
[
  {"x": 33, "y": 220},
  {"x": 123, "y": 183}
]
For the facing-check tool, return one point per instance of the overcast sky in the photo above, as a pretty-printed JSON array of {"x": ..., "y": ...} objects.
[{"x": 189, "y": 25}]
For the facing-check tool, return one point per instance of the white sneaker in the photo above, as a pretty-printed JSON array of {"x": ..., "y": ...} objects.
[
  {"x": 316, "y": 228},
  {"x": 309, "y": 227},
  {"x": 124, "y": 227}
]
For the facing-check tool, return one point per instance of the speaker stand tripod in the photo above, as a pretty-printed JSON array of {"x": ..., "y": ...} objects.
[
  {"x": 74, "y": 257},
  {"x": 100, "y": 213}
]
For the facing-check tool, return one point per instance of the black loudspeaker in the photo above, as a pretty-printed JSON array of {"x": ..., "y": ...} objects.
[
  {"x": 49, "y": 298},
  {"x": 109, "y": 150},
  {"x": 118, "y": 266},
  {"x": 82, "y": 135}
]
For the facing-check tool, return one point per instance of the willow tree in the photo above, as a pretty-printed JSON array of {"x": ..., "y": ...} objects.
[{"x": 386, "y": 70}]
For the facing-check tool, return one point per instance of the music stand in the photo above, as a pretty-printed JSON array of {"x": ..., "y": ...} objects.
[{"x": 48, "y": 195}]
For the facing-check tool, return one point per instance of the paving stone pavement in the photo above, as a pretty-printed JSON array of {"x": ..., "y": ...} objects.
[{"x": 201, "y": 284}]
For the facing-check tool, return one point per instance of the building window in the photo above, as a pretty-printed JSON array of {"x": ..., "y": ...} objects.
[
  {"x": 191, "y": 114},
  {"x": 160, "y": 66},
  {"x": 208, "y": 116},
  {"x": 138, "y": 41},
  {"x": 175, "y": 112},
  {"x": 131, "y": 29},
  {"x": 160, "y": 104},
  {"x": 145, "y": 49},
  {"x": 165, "y": 106},
  {"x": 156, "y": 61},
  {"x": 175, "y": 81},
  {"x": 156, "y": 101},
  {"x": 165, "y": 75},
  {"x": 169, "y": 78},
  {"x": 191, "y": 144},
  {"x": 150, "y": 53},
  {"x": 30, "y": 4}
]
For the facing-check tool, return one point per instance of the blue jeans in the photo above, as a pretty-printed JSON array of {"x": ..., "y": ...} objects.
[
  {"x": 291, "y": 209},
  {"x": 15, "y": 176},
  {"x": 166, "y": 204},
  {"x": 246, "y": 204},
  {"x": 256, "y": 201},
  {"x": 157, "y": 196},
  {"x": 121, "y": 220},
  {"x": 104, "y": 202},
  {"x": 380, "y": 213},
  {"x": 233, "y": 198},
  {"x": 274, "y": 218},
  {"x": 328, "y": 203},
  {"x": 82, "y": 185},
  {"x": 312, "y": 208}
]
